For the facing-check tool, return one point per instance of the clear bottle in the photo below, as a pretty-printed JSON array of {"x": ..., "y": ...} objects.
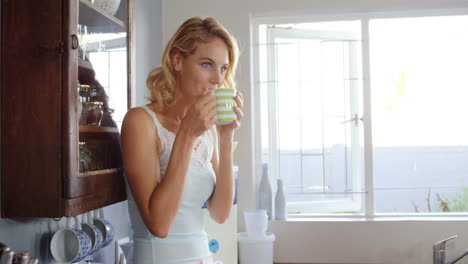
[
  {"x": 264, "y": 192},
  {"x": 280, "y": 202}
]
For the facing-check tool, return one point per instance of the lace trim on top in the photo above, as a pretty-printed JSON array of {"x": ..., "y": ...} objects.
[{"x": 202, "y": 148}]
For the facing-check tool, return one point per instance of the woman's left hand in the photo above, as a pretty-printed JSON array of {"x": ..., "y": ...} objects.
[{"x": 228, "y": 129}]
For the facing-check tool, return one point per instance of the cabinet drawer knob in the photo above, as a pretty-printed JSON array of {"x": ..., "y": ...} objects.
[{"x": 74, "y": 42}]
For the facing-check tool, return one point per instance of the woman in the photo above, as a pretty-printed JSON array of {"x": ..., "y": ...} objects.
[{"x": 175, "y": 157}]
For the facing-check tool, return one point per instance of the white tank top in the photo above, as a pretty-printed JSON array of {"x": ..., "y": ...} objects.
[{"x": 187, "y": 241}]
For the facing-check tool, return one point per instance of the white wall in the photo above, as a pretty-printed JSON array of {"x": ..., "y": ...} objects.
[
  {"x": 148, "y": 16},
  {"x": 316, "y": 241}
]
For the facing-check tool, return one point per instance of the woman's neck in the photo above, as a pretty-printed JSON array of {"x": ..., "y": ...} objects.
[{"x": 178, "y": 109}]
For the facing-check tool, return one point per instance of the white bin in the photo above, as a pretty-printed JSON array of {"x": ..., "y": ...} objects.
[{"x": 256, "y": 250}]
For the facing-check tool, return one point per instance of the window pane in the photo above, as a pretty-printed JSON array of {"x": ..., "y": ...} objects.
[
  {"x": 312, "y": 174},
  {"x": 419, "y": 107},
  {"x": 313, "y": 78},
  {"x": 290, "y": 171},
  {"x": 108, "y": 54}
]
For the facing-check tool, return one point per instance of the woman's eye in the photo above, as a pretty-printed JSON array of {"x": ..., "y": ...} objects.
[
  {"x": 223, "y": 69},
  {"x": 206, "y": 64}
]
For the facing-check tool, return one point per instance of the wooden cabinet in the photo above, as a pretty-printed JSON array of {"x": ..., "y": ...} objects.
[{"x": 45, "y": 55}]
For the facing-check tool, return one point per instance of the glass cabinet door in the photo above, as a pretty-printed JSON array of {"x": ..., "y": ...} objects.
[
  {"x": 102, "y": 93},
  {"x": 102, "y": 62}
]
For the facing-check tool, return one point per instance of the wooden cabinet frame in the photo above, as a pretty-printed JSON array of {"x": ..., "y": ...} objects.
[{"x": 39, "y": 128}]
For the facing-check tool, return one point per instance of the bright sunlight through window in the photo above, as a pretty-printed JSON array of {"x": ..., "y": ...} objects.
[{"x": 311, "y": 82}]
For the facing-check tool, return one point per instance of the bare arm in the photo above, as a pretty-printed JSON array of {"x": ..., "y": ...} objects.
[
  {"x": 158, "y": 198},
  {"x": 220, "y": 202}
]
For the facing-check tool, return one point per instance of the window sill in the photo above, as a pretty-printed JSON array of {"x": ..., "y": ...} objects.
[
  {"x": 379, "y": 218},
  {"x": 383, "y": 217}
]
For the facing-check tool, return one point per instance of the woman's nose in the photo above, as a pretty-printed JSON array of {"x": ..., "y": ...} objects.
[{"x": 216, "y": 77}]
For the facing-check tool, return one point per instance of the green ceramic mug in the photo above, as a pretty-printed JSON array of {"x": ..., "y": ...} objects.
[{"x": 225, "y": 102}]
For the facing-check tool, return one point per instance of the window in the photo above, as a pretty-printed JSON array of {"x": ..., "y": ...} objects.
[
  {"x": 419, "y": 94},
  {"x": 312, "y": 87}
]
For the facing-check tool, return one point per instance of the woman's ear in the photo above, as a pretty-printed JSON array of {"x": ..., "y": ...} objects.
[{"x": 176, "y": 61}]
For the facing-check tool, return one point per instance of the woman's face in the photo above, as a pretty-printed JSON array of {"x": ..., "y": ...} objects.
[{"x": 204, "y": 69}]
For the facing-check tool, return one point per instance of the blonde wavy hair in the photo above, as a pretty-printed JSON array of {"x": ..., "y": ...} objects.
[{"x": 190, "y": 34}]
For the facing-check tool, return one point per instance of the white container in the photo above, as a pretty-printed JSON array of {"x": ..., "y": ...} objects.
[
  {"x": 257, "y": 250},
  {"x": 256, "y": 223}
]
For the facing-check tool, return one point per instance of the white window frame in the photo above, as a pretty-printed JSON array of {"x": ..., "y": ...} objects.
[
  {"x": 366, "y": 118},
  {"x": 329, "y": 205}
]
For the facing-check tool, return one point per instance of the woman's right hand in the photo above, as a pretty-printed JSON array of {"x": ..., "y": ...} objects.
[{"x": 201, "y": 116}]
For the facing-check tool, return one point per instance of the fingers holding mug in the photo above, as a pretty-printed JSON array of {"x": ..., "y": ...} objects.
[
  {"x": 239, "y": 100},
  {"x": 239, "y": 113},
  {"x": 238, "y": 109}
]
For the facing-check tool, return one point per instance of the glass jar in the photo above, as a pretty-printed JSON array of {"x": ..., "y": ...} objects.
[
  {"x": 85, "y": 157},
  {"x": 93, "y": 112},
  {"x": 84, "y": 90}
]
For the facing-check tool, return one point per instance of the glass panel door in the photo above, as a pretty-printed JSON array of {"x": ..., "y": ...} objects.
[
  {"x": 102, "y": 71},
  {"x": 102, "y": 83}
]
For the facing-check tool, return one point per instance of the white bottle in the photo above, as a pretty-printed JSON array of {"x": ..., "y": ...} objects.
[
  {"x": 265, "y": 200},
  {"x": 280, "y": 202}
]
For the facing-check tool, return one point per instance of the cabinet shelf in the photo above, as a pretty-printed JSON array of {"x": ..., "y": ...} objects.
[
  {"x": 98, "y": 129},
  {"x": 100, "y": 172},
  {"x": 97, "y": 20},
  {"x": 98, "y": 199}
]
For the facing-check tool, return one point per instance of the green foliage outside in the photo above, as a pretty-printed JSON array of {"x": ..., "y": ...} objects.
[{"x": 457, "y": 204}]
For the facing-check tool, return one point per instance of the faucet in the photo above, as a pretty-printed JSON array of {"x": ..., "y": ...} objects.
[{"x": 439, "y": 252}]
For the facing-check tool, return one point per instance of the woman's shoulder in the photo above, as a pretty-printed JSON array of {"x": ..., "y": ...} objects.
[
  {"x": 138, "y": 125},
  {"x": 138, "y": 112},
  {"x": 138, "y": 116}
]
